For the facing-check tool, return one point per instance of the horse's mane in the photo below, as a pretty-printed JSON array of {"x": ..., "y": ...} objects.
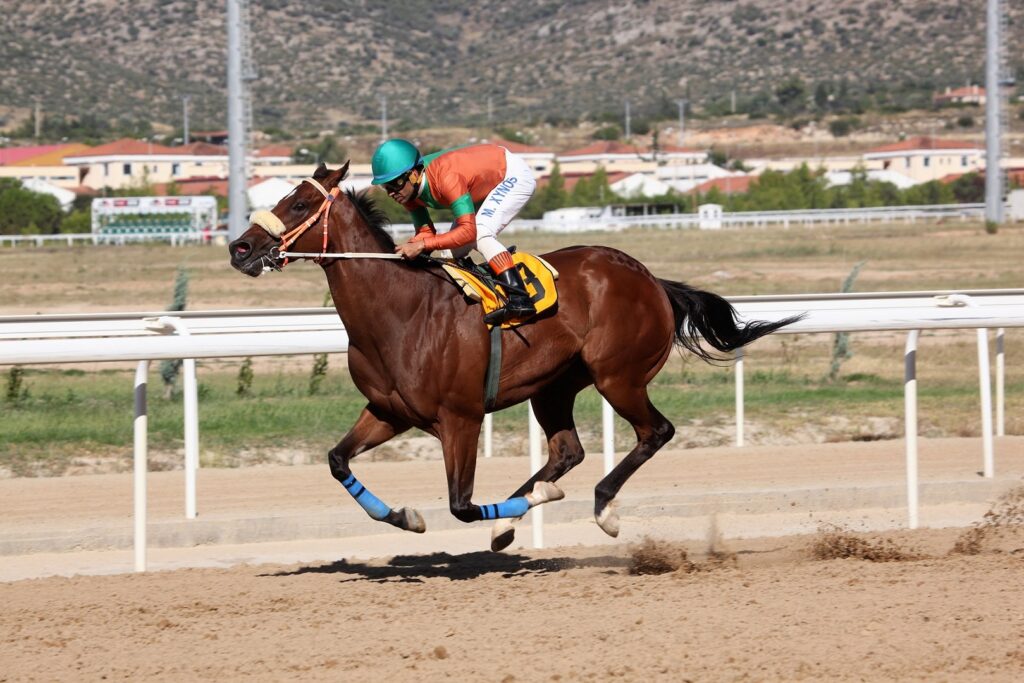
[{"x": 375, "y": 218}]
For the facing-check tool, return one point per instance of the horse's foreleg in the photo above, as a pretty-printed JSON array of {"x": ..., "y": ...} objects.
[
  {"x": 371, "y": 429},
  {"x": 459, "y": 438}
]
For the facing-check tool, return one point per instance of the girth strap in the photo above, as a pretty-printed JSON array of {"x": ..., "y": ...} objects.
[{"x": 493, "y": 370}]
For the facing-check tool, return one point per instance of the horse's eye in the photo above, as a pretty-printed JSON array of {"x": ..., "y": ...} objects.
[{"x": 299, "y": 206}]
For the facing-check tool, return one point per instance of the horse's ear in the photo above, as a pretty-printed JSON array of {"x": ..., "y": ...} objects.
[
  {"x": 321, "y": 172},
  {"x": 344, "y": 171}
]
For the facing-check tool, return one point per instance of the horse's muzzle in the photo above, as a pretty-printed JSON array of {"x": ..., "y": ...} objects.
[{"x": 244, "y": 258}]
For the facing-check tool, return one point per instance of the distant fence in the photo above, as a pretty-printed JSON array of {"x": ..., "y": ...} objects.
[
  {"x": 71, "y": 239},
  {"x": 736, "y": 219},
  {"x": 880, "y": 214}
]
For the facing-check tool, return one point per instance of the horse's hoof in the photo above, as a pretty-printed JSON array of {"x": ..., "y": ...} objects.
[
  {"x": 608, "y": 519},
  {"x": 412, "y": 520},
  {"x": 502, "y": 535},
  {"x": 544, "y": 492}
]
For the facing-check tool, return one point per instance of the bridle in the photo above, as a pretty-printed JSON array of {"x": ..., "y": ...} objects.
[
  {"x": 279, "y": 256},
  {"x": 295, "y": 233}
]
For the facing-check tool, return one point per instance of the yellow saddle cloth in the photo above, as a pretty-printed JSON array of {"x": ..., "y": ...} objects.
[{"x": 538, "y": 276}]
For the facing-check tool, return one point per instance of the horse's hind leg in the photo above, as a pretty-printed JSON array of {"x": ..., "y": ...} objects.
[
  {"x": 553, "y": 408},
  {"x": 371, "y": 429},
  {"x": 653, "y": 431}
]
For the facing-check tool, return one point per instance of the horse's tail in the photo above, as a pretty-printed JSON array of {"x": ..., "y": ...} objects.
[{"x": 703, "y": 315}]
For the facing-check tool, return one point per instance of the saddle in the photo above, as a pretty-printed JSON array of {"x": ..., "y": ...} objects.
[{"x": 478, "y": 284}]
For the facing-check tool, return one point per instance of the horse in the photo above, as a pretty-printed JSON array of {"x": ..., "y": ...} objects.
[{"x": 418, "y": 351}]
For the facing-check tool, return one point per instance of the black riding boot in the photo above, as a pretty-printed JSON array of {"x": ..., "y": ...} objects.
[{"x": 519, "y": 304}]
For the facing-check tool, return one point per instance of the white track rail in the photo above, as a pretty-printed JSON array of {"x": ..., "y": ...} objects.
[{"x": 151, "y": 336}]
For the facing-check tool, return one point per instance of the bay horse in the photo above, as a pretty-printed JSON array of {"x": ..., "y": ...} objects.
[{"x": 418, "y": 351}]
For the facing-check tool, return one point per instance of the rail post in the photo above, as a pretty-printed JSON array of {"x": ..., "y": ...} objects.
[
  {"x": 910, "y": 428},
  {"x": 1000, "y": 382},
  {"x": 608, "y": 434},
  {"x": 488, "y": 435},
  {"x": 166, "y": 324},
  {"x": 536, "y": 513},
  {"x": 984, "y": 385},
  {"x": 740, "y": 416},
  {"x": 139, "y": 465}
]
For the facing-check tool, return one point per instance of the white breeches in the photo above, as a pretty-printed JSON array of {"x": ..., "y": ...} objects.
[{"x": 500, "y": 207}]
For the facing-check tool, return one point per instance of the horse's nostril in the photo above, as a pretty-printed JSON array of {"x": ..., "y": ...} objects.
[{"x": 240, "y": 249}]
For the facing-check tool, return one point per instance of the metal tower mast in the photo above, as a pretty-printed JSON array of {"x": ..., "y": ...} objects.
[
  {"x": 994, "y": 76},
  {"x": 240, "y": 73}
]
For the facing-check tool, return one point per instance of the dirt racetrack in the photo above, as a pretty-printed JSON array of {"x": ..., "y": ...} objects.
[
  {"x": 754, "y": 609},
  {"x": 765, "y": 612}
]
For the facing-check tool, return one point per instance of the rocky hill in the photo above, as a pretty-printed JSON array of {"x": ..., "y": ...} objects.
[{"x": 321, "y": 63}]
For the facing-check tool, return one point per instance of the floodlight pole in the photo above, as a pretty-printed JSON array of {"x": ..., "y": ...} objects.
[
  {"x": 993, "y": 100},
  {"x": 682, "y": 113},
  {"x": 238, "y": 209},
  {"x": 184, "y": 126}
]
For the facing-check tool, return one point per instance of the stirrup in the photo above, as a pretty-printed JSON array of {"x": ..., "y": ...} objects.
[
  {"x": 498, "y": 316},
  {"x": 522, "y": 311}
]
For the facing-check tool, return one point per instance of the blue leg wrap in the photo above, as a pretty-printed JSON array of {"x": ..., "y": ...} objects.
[
  {"x": 373, "y": 505},
  {"x": 513, "y": 507}
]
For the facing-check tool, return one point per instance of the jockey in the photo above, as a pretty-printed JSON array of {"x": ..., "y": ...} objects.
[{"x": 485, "y": 186}]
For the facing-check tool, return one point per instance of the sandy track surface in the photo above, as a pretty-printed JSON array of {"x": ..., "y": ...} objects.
[
  {"x": 740, "y": 609},
  {"x": 768, "y": 613}
]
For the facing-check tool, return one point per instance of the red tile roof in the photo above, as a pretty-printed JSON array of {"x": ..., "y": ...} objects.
[
  {"x": 603, "y": 147},
  {"x": 53, "y": 156},
  {"x": 728, "y": 185},
  {"x": 203, "y": 149},
  {"x": 570, "y": 179},
  {"x": 129, "y": 147},
  {"x": 520, "y": 148},
  {"x": 193, "y": 186},
  {"x": 202, "y": 185},
  {"x": 275, "y": 151},
  {"x": 924, "y": 142},
  {"x": 616, "y": 147},
  {"x": 12, "y": 155},
  {"x": 676, "y": 149}
]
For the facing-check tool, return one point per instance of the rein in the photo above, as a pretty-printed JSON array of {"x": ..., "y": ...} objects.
[{"x": 271, "y": 224}]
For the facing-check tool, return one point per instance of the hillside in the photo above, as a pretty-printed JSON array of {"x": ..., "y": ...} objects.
[{"x": 325, "y": 62}]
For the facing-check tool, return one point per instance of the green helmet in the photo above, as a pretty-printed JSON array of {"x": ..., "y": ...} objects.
[{"x": 392, "y": 159}]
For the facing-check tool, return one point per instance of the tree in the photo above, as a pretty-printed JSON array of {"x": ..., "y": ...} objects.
[
  {"x": 609, "y": 132},
  {"x": 822, "y": 94},
  {"x": 791, "y": 95},
  {"x": 327, "y": 150},
  {"x": 169, "y": 369},
  {"x": 840, "y": 127},
  {"x": 592, "y": 191},
  {"x": 932, "y": 192},
  {"x": 549, "y": 197},
  {"x": 969, "y": 188},
  {"x": 24, "y": 212}
]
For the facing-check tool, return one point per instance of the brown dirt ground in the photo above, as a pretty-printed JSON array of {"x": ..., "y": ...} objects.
[
  {"x": 835, "y": 605},
  {"x": 763, "y": 610}
]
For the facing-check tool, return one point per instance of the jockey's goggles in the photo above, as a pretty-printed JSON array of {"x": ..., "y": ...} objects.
[{"x": 397, "y": 184}]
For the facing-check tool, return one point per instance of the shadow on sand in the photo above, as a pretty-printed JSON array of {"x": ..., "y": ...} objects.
[{"x": 417, "y": 568}]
